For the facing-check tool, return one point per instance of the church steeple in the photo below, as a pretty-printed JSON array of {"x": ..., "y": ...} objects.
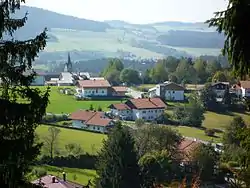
[{"x": 68, "y": 66}]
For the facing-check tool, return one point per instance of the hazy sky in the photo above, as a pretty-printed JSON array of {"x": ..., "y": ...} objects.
[{"x": 135, "y": 11}]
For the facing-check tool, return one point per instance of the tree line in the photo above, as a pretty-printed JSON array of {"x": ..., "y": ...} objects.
[{"x": 182, "y": 71}]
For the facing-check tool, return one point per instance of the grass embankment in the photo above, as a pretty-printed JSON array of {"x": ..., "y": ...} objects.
[
  {"x": 90, "y": 142},
  {"x": 76, "y": 175}
]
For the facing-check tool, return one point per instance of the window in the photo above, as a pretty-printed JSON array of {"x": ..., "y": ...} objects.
[
  {"x": 96, "y": 90},
  {"x": 93, "y": 92},
  {"x": 173, "y": 91},
  {"x": 93, "y": 128},
  {"x": 98, "y": 128},
  {"x": 155, "y": 111},
  {"x": 102, "y": 91},
  {"x": 144, "y": 112}
]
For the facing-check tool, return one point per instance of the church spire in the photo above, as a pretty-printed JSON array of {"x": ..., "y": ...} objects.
[{"x": 68, "y": 65}]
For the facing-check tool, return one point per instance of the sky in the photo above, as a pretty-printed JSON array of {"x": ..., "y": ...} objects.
[{"x": 135, "y": 11}]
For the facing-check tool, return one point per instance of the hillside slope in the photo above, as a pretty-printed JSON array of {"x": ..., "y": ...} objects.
[{"x": 94, "y": 40}]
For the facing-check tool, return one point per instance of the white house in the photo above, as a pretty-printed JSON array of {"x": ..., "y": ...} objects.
[
  {"x": 148, "y": 109},
  {"x": 242, "y": 89},
  {"x": 91, "y": 120},
  {"x": 89, "y": 88},
  {"x": 169, "y": 91}
]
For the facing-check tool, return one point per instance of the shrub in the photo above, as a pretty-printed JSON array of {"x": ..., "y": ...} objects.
[
  {"x": 210, "y": 132},
  {"x": 233, "y": 164},
  {"x": 39, "y": 172}
]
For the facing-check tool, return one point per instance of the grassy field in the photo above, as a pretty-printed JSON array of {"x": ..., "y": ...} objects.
[
  {"x": 76, "y": 175},
  {"x": 61, "y": 103},
  {"x": 113, "y": 40},
  {"x": 90, "y": 142}
]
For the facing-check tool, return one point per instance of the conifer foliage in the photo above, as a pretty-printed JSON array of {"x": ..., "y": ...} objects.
[
  {"x": 21, "y": 106},
  {"x": 118, "y": 163}
]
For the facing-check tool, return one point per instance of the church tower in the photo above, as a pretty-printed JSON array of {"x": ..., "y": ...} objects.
[{"x": 68, "y": 66}]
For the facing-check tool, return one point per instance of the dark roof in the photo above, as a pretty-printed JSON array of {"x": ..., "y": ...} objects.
[{"x": 173, "y": 86}]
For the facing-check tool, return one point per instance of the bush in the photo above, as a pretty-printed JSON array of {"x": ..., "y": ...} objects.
[
  {"x": 233, "y": 164},
  {"x": 39, "y": 172},
  {"x": 210, "y": 132},
  {"x": 139, "y": 122},
  {"x": 54, "y": 118}
]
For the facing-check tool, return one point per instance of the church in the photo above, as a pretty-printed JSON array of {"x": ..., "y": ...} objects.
[{"x": 66, "y": 78}]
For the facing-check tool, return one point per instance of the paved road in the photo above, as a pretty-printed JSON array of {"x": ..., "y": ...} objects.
[{"x": 135, "y": 94}]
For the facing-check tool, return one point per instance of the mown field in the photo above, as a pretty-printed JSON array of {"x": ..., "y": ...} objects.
[
  {"x": 90, "y": 142},
  {"x": 76, "y": 175},
  {"x": 61, "y": 103}
]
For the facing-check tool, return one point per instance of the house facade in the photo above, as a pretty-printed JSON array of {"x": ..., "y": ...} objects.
[
  {"x": 219, "y": 88},
  {"x": 169, "y": 91},
  {"x": 90, "y": 88},
  {"x": 91, "y": 121},
  {"x": 242, "y": 89},
  {"x": 149, "y": 109}
]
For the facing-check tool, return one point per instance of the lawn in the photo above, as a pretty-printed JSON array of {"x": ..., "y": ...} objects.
[
  {"x": 76, "y": 175},
  {"x": 90, "y": 142},
  {"x": 61, "y": 103}
]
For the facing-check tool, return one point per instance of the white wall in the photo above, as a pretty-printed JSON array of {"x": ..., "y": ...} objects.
[
  {"x": 174, "y": 95},
  {"x": 147, "y": 114},
  {"x": 93, "y": 92},
  {"x": 219, "y": 93},
  {"x": 81, "y": 125},
  {"x": 245, "y": 92}
]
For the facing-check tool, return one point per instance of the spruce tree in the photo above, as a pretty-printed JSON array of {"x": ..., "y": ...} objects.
[
  {"x": 117, "y": 165},
  {"x": 21, "y": 106},
  {"x": 233, "y": 23}
]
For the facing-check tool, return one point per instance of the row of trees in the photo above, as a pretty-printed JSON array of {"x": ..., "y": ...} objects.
[
  {"x": 115, "y": 73},
  {"x": 184, "y": 70}
]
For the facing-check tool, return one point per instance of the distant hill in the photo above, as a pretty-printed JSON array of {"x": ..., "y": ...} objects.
[
  {"x": 38, "y": 19},
  {"x": 90, "y": 40}
]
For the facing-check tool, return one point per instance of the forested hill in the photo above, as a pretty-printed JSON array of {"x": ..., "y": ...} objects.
[{"x": 90, "y": 40}]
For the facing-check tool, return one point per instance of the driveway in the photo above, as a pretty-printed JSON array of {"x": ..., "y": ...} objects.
[{"x": 135, "y": 94}]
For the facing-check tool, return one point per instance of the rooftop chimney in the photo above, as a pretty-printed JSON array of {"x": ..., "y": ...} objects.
[
  {"x": 64, "y": 176},
  {"x": 53, "y": 179}
]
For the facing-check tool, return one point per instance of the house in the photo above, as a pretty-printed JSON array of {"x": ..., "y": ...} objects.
[
  {"x": 92, "y": 121},
  {"x": 185, "y": 154},
  {"x": 242, "y": 89},
  {"x": 50, "y": 181},
  {"x": 169, "y": 91},
  {"x": 120, "y": 91},
  {"x": 90, "y": 88},
  {"x": 219, "y": 88},
  {"x": 148, "y": 109},
  {"x": 66, "y": 79}
]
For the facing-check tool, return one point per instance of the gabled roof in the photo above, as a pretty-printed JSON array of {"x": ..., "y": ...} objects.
[
  {"x": 244, "y": 84},
  {"x": 120, "y": 106},
  {"x": 187, "y": 147},
  {"x": 147, "y": 103},
  {"x": 223, "y": 83},
  {"x": 59, "y": 183},
  {"x": 120, "y": 88},
  {"x": 94, "y": 83},
  {"x": 91, "y": 117},
  {"x": 173, "y": 86}
]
